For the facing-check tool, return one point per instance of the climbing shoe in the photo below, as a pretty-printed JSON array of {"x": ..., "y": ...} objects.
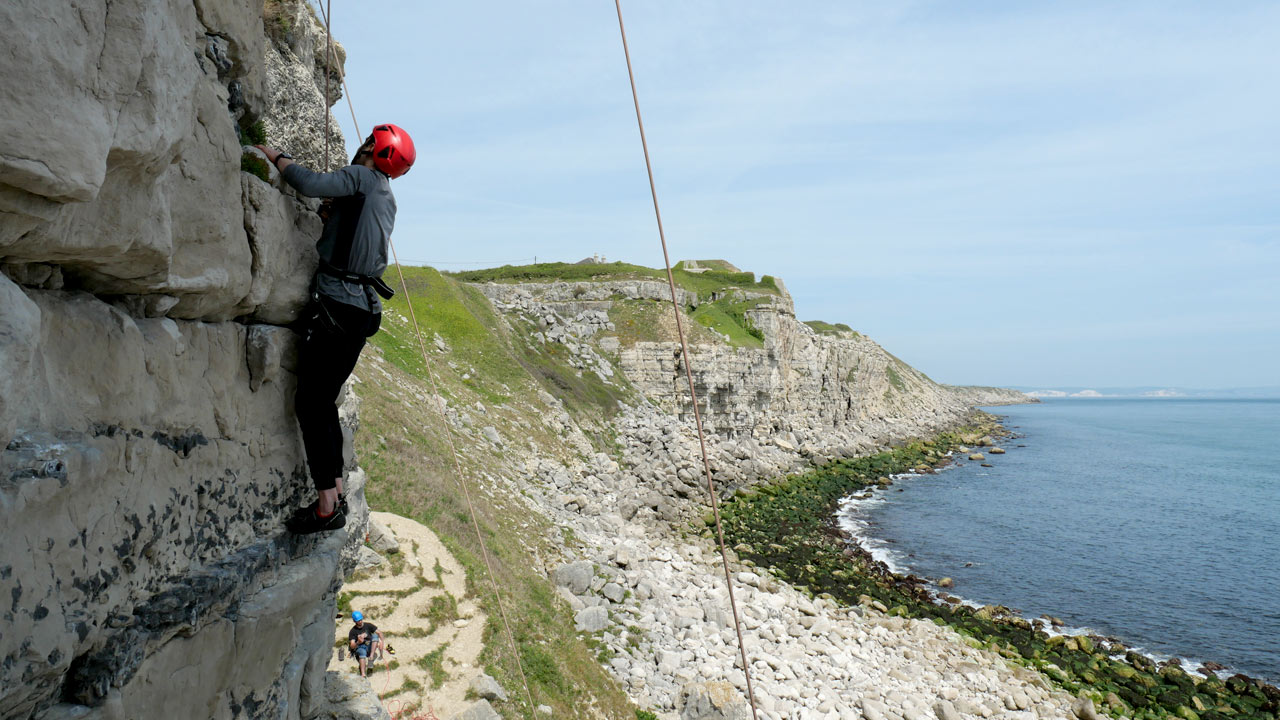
[
  {"x": 310, "y": 522},
  {"x": 391, "y": 650},
  {"x": 302, "y": 512}
]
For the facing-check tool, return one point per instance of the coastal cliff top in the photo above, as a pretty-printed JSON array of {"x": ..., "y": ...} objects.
[{"x": 703, "y": 281}]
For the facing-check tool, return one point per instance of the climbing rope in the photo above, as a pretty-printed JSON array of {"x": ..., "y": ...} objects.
[
  {"x": 328, "y": 52},
  {"x": 435, "y": 388},
  {"x": 688, "y": 370},
  {"x": 685, "y": 357}
]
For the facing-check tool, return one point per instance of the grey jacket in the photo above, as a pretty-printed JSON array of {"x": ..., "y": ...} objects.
[{"x": 359, "y": 227}]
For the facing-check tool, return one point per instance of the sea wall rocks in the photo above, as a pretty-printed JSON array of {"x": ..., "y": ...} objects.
[{"x": 148, "y": 447}]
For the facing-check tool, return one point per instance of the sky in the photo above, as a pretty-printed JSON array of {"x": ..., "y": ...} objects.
[{"x": 999, "y": 193}]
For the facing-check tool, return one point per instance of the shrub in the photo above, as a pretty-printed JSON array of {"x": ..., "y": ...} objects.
[
  {"x": 255, "y": 165},
  {"x": 254, "y": 134}
]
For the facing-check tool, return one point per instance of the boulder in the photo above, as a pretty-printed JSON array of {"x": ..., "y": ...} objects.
[
  {"x": 977, "y": 456},
  {"x": 486, "y": 688},
  {"x": 368, "y": 559},
  {"x": 491, "y": 434},
  {"x": 712, "y": 701},
  {"x": 591, "y": 619},
  {"x": 350, "y": 697},
  {"x": 576, "y": 576},
  {"x": 1084, "y": 709},
  {"x": 480, "y": 710},
  {"x": 613, "y": 591},
  {"x": 1114, "y": 702},
  {"x": 873, "y": 709},
  {"x": 380, "y": 537}
]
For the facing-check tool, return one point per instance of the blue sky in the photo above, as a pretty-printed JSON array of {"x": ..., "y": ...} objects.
[{"x": 1006, "y": 193}]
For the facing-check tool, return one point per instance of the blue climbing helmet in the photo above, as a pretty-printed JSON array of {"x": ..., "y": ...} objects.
[{"x": 357, "y": 616}]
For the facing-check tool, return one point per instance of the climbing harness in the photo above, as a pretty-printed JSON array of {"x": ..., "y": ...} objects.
[
  {"x": 384, "y": 290},
  {"x": 684, "y": 356},
  {"x": 688, "y": 369}
]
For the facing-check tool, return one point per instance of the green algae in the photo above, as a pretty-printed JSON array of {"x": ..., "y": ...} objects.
[{"x": 788, "y": 527}]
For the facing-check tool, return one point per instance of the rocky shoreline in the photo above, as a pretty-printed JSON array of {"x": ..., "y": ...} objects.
[
  {"x": 1045, "y": 622},
  {"x": 1048, "y": 624},
  {"x": 1122, "y": 682}
]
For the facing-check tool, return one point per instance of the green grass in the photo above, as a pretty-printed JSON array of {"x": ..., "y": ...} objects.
[
  {"x": 433, "y": 664},
  {"x": 640, "y": 321},
  {"x": 704, "y": 284},
  {"x": 404, "y": 449},
  {"x": 826, "y": 328},
  {"x": 408, "y": 685},
  {"x": 442, "y": 609},
  {"x": 254, "y": 133},
  {"x": 728, "y": 316},
  {"x": 462, "y": 317},
  {"x": 581, "y": 392},
  {"x": 714, "y": 317}
]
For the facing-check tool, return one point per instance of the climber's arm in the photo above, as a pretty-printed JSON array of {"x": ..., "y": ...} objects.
[{"x": 339, "y": 183}]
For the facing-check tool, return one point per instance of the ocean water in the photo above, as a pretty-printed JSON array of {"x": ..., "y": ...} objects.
[{"x": 1154, "y": 521}]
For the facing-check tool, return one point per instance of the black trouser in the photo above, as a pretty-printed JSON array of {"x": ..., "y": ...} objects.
[{"x": 333, "y": 333}]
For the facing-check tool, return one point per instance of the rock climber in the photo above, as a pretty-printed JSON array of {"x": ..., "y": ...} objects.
[
  {"x": 364, "y": 641},
  {"x": 344, "y": 311}
]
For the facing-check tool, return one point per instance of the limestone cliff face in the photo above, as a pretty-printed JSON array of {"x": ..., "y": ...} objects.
[
  {"x": 150, "y": 450},
  {"x": 824, "y": 395}
]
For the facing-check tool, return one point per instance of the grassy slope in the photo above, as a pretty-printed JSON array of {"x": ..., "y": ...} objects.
[{"x": 406, "y": 453}]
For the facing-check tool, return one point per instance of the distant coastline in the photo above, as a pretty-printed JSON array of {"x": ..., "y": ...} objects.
[{"x": 1152, "y": 392}]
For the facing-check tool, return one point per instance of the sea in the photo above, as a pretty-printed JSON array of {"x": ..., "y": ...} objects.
[{"x": 1154, "y": 521}]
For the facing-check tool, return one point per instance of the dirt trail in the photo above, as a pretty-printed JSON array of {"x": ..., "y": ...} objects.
[{"x": 412, "y": 602}]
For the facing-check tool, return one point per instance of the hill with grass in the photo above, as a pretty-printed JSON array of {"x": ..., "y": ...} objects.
[{"x": 561, "y": 388}]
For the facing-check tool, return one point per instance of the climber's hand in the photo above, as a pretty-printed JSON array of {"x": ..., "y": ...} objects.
[
  {"x": 275, "y": 156},
  {"x": 270, "y": 152}
]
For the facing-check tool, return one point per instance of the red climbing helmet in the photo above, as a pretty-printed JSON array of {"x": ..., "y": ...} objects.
[{"x": 393, "y": 151}]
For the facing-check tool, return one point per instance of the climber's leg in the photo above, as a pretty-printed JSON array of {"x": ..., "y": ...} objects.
[{"x": 334, "y": 334}]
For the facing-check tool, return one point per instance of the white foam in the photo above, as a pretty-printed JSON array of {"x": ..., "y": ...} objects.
[{"x": 850, "y": 517}]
